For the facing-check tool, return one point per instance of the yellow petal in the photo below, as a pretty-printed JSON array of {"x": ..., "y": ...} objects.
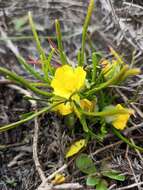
[
  {"x": 64, "y": 109},
  {"x": 68, "y": 80},
  {"x": 76, "y": 147},
  {"x": 59, "y": 178},
  {"x": 121, "y": 119},
  {"x": 86, "y": 105},
  {"x": 80, "y": 76}
]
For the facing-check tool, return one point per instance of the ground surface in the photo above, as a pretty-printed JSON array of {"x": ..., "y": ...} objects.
[{"x": 114, "y": 23}]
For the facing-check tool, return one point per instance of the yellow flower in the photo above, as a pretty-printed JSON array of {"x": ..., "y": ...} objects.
[
  {"x": 68, "y": 80},
  {"x": 121, "y": 120},
  {"x": 67, "y": 108}
]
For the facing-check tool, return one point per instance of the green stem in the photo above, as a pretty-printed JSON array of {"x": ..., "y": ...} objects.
[
  {"x": 114, "y": 111},
  {"x": 124, "y": 139},
  {"x": 15, "y": 124},
  {"x": 94, "y": 63},
  {"x": 47, "y": 66},
  {"x": 40, "y": 49},
  {"x": 23, "y": 82},
  {"x": 114, "y": 80},
  {"x": 84, "y": 32}
]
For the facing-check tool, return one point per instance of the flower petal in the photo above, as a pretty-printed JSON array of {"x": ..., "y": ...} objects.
[
  {"x": 68, "y": 80},
  {"x": 64, "y": 109},
  {"x": 121, "y": 120}
]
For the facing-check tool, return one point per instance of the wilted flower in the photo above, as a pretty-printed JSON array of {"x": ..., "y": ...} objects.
[{"x": 110, "y": 68}]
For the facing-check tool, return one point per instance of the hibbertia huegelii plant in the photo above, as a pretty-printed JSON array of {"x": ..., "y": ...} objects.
[{"x": 82, "y": 91}]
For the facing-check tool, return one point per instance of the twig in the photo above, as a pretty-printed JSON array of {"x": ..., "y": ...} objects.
[
  {"x": 106, "y": 147},
  {"x": 68, "y": 186},
  {"x": 130, "y": 186},
  {"x": 35, "y": 154},
  {"x": 138, "y": 152},
  {"x": 134, "y": 127},
  {"x": 130, "y": 165},
  {"x": 15, "y": 159},
  {"x": 45, "y": 184},
  {"x": 63, "y": 186},
  {"x": 56, "y": 172},
  {"x": 5, "y": 81},
  {"x": 25, "y": 92}
]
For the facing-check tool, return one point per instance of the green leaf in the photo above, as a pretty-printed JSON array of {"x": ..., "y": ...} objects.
[
  {"x": 85, "y": 164},
  {"x": 28, "y": 118},
  {"x": 24, "y": 82},
  {"x": 113, "y": 174},
  {"x": 59, "y": 40},
  {"x": 102, "y": 185},
  {"x": 25, "y": 115},
  {"x": 92, "y": 181},
  {"x": 94, "y": 63},
  {"x": 36, "y": 37},
  {"x": 84, "y": 31},
  {"x": 124, "y": 139}
]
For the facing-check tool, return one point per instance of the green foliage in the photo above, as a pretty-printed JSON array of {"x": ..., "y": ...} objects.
[
  {"x": 102, "y": 185},
  {"x": 96, "y": 81},
  {"x": 97, "y": 176},
  {"x": 113, "y": 174},
  {"x": 92, "y": 181},
  {"x": 85, "y": 164}
]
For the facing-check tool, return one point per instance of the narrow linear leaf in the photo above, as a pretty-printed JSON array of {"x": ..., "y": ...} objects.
[
  {"x": 37, "y": 113},
  {"x": 36, "y": 38},
  {"x": 114, "y": 80},
  {"x": 60, "y": 46},
  {"x": 47, "y": 65},
  {"x": 16, "y": 124},
  {"x": 84, "y": 32},
  {"x": 124, "y": 139},
  {"x": 23, "y": 82}
]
